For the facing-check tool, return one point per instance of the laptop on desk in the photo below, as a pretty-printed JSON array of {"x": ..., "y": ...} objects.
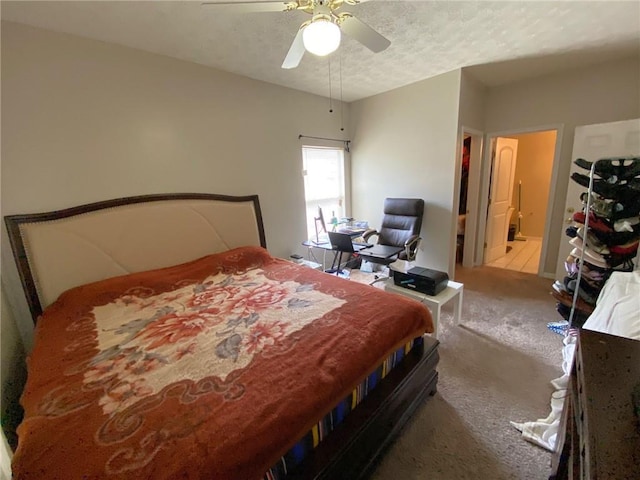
[{"x": 343, "y": 243}]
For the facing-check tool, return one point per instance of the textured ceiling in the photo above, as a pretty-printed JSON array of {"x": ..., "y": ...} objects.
[{"x": 523, "y": 38}]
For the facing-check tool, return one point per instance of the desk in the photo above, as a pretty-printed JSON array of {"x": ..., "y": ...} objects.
[
  {"x": 451, "y": 291},
  {"x": 324, "y": 246},
  {"x": 327, "y": 246}
]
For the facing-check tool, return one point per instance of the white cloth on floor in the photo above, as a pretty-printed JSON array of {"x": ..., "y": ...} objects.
[
  {"x": 617, "y": 312},
  {"x": 544, "y": 431}
]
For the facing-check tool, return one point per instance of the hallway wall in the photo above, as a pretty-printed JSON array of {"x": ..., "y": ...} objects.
[{"x": 533, "y": 167}]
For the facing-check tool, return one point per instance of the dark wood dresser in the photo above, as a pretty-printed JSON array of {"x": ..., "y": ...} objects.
[{"x": 599, "y": 435}]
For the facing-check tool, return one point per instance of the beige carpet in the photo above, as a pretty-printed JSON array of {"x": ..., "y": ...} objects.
[{"x": 495, "y": 367}]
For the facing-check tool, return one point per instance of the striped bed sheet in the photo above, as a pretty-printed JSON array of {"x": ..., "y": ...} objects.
[{"x": 336, "y": 416}]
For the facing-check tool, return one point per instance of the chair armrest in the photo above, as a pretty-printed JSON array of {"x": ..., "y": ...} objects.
[
  {"x": 411, "y": 247},
  {"x": 369, "y": 233}
]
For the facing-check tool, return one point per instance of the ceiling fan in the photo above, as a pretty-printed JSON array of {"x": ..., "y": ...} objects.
[{"x": 321, "y": 34}]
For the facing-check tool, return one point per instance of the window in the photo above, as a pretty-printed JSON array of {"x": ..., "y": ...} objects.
[{"x": 324, "y": 179}]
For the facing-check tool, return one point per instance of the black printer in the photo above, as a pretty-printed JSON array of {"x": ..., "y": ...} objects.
[{"x": 423, "y": 280}]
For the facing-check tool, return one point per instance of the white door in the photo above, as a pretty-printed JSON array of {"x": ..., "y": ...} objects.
[
  {"x": 593, "y": 142},
  {"x": 501, "y": 192}
]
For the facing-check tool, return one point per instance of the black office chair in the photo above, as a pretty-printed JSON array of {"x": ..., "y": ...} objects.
[{"x": 401, "y": 224}]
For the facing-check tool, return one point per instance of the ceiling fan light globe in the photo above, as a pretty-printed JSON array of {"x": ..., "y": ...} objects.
[{"x": 321, "y": 37}]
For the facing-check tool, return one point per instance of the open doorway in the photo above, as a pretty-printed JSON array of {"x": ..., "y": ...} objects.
[
  {"x": 469, "y": 191},
  {"x": 517, "y": 200},
  {"x": 464, "y": 196}
]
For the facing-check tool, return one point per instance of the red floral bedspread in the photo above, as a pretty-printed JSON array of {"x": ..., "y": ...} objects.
[{"x": 211, "y": 369}]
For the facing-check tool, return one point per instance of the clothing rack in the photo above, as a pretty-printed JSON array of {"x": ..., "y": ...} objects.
[
  {"x": 618, "y": 180},
  {"x": 576, "y": 292}
]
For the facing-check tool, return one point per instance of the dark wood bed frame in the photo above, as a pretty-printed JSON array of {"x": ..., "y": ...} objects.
[{"x": 352, "y": 450}]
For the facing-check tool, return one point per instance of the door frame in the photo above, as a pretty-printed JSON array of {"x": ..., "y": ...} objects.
[
  {"x": 473, "y": 191},
  {"x": 483, "y": 199}
]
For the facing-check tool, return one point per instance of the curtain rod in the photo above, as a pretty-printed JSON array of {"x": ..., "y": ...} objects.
[{"x": 346, "y": 142}]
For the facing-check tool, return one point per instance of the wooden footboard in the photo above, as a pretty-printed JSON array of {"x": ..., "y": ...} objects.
[{"x": 353, "y": 449}]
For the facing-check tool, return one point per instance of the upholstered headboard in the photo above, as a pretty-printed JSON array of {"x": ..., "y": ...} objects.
[{"x": 59, "y": 250}]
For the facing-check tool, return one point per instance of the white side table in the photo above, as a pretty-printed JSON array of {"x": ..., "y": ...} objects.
[{"x": 451, "y": 291}]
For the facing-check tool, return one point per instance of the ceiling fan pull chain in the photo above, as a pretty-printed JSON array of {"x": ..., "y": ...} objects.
[
  {"x": 330, "y": 98},
  {"x": 341, "y": 101}
]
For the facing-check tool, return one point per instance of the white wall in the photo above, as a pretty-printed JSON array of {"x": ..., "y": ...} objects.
[
  {"x": 84, "y": 121},
  {"x": 404, "y": 145},
  {"x": 601, "y": 93},
  {"x": 473, "y": 100}
]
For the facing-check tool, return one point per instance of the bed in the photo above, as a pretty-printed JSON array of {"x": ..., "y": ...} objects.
[{"x": 169, "y": 343}]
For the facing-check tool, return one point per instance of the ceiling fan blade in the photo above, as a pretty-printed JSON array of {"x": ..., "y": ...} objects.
[
  {"x": 363, "y": 33},
  {"x": 296, "y": 51},
  {"x": 253, "y": 6}
]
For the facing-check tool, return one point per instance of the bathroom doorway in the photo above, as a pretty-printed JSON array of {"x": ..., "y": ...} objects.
[{"x": 519, "y": 242}]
